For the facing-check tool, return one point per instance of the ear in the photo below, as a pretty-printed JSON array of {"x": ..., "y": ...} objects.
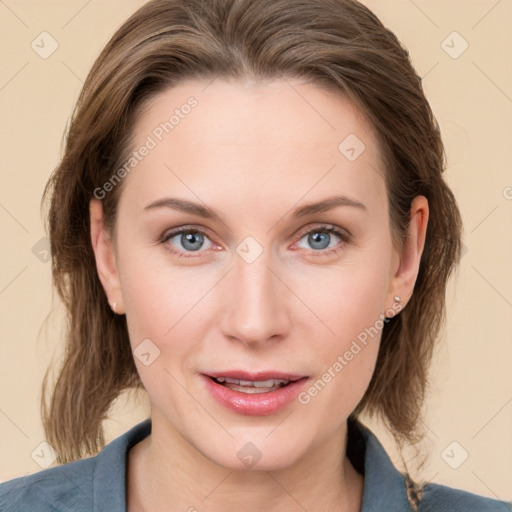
[
  {"x": 104, "y": 255},
  {"x": 402, "y": 283}
]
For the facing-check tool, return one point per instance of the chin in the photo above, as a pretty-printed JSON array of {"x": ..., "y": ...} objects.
[{"x": 256, "y": 453}]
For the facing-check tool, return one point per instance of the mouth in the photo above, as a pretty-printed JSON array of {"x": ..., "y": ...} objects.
[{"x": 255, "y": 394}]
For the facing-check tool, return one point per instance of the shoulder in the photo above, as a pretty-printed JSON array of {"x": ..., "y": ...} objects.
[
  {"x": 439, "y": 497},
  {"x": 385, "y": 488},
  {"x": 66, "y": 487},
  {"x": 95, "y": 483}
]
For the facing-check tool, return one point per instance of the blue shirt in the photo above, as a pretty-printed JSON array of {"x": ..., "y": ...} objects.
[{"x": 97, "y": 484}]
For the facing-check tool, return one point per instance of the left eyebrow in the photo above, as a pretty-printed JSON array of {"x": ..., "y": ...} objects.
[{"x": 327, "y": 204}]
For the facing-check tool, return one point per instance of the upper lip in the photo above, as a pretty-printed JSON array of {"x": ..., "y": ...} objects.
[{"x": 255, "y": 376}]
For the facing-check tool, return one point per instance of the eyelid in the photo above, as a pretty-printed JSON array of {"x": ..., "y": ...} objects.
[
  {"x": 343, "y": 233},
  {"x": 187, "y": 227}
]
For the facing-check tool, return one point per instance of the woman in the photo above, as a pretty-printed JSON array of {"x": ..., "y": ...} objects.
[{"x": 250, "y": 221}]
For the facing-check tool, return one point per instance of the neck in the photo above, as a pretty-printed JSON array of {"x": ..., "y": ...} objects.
[{"x": 166, "y": 473}]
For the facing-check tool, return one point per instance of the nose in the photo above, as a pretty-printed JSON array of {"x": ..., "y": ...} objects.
[{"x": 255, "y": 303}]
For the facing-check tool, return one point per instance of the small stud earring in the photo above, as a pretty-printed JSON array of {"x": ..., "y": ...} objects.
[
  {"x": 114, "y": 306},
  {"x": 397, "y": 298}
]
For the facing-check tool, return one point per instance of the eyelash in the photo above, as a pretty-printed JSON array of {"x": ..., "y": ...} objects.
[{"x": 344, "y": 236}]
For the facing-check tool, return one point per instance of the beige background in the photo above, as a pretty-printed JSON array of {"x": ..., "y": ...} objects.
[{"x": 471, "y": 95}]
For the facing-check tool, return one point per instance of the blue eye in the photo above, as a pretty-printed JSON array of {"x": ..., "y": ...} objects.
[
  {"x": 191, "y": 240},
  {"x": 322, "y": 242},
  {"x": 319, "y": 239}
]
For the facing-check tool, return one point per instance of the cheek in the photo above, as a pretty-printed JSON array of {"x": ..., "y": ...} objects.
[
  {"x": 166, "y": 318},
  {"x": 173, "y": 308},
  {"x": 346, "y": 359},
  {"x": 348, "y": 298},
  {"x": 157, "y": 294},
  {"x": 351, "y": 304}
]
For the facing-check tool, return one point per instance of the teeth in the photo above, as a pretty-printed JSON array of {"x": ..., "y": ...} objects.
[
  {"x": 266, "y": 383},
  {"x": 252, "y": 390},
  {"x": 257, "y": 384}
]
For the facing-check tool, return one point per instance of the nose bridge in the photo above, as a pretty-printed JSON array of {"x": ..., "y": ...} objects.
[{"x": 256, "y": 304}]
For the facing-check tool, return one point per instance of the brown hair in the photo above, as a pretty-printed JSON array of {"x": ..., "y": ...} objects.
[{"x": 338, "y": 45}]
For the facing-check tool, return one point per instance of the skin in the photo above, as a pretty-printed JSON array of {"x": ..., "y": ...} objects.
[{"x": 253, "y": 152}]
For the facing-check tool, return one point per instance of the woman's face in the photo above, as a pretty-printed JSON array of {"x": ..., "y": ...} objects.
[{"x": 262, "y": 284}]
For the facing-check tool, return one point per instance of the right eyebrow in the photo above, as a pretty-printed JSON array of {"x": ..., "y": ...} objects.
[{"x": 184, "y": 206}]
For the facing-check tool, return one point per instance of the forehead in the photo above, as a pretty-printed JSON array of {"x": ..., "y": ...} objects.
[{"x": 280, "y": 138}]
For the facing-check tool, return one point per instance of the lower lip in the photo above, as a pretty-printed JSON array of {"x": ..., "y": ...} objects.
[{"x": 257, "y": 404}]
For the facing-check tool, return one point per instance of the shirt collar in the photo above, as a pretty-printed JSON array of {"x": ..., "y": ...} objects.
[
  {"x": 109, "y": 478},
  {"x": 384, "y": 485}
]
